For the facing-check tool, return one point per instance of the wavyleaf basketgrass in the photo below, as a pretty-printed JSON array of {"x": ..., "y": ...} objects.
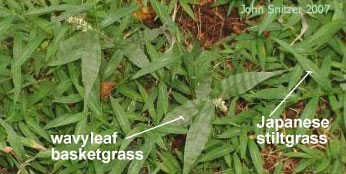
[{"x": 160, "y": 62}]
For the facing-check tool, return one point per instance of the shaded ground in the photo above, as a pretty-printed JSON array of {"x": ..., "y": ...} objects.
[
  {"x": 210, "y": 23},
  {"x": 4, "y": 171}
]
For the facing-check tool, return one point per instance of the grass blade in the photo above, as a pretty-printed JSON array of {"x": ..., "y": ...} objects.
[
  {"x": 136, "y": 55},
  {"x": 162, "y": 101},
  {"x": 74, "y": 11},
  {"x": 91, "y": 61},
  {"x": 267, "y": 21},
  {"x": 12, "y": 138},
  {"x": 242, "y": 82},
  {"x": 16, "y": 66},
  {"x": 153, "y": 66},
  {"x": 65, "y": 120},
  {"x": 117, "y": 14},
  {"x": 188, "y": 111},
  {"x": 197, "y": 136},
  {"x": 325, "y": 33},
  {"x": 345, "y": 110},
  {"x": 237, "y": 164},
  {"x": 5, "y": 25},
  {"x": 136, "y": 165},
  {"x": 256, "y": 157},
  {"x": 217, "y": 153},
  {"x": 74, "y": 98},
  {"x": 308, "y": 113},
  {"x": 308, "y": 65},
  {"x": 120, "y": 116}
]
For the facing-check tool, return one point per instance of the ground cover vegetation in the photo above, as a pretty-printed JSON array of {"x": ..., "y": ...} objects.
[{"x": 81, "y": 66}]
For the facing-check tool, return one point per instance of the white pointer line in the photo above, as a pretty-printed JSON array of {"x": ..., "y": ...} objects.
[
  {"x": 289, "y": 94},
  {"x": 180, "y": 118}
]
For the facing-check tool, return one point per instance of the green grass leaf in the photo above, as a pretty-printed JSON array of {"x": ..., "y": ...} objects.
[
  {"x": 345, "y": 110},
  {"x": 91, "y": 61},
  {"x": 12, "y": 138},
  {"x": 317, "y": 75},
  {"x": 158, "y": 64},
  {"x": 65, "y": 120},
  {"x": 115, "y": 15},
  {"x": 112, "y": 64},
  {"x": 308, "y": 113},
  {"x": 136, "y": 165},
  {"x": 261, "y": 52},
  {"x": 18, "y": 62},
  {"x": 52, "y": 73},
  {"x": 184, "y": 4},
  {"x": 267, "y": 21},
  {"x": 5, "y": 25},
  {"x": 197, "y": 136},
  {"x": 162, "y": 101},
  {"x": 242, "y": 82},
  {"x": 120, "y": 116},
  {"x": 256, "y": 157},
  {"x": 308, "y": 65},
  {"x": 50, "y": 9},
  {"x": 217, "y": 153},
  {"x": 69, "y": 50},
  {"x": 27, "y": 52},
  {"x": 270, "y": 93},
  {"x": 130, "y": 93},
  {"x": 303, "y": 164},
  {"x": 243, "y": 138},
  {"x": 161, "y": 10},
  {"x": 136, "y": 55},
  {"x": 237, "y": 164},
  {"x": 73, "y": 98},
  {"x": 295, "y": 76},
  {"x": 36, "y": 128},
  {"x": 323, "y": 165},
  {"x": 323, "y": 34},
  {"x": 187, "y": 110},
  {"x": 73, "y": 11}
]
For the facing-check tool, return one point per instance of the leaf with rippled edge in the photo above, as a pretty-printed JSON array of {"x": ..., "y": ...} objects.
[
  {"x": 187, "y": 110},
  {"x": 198, "y": 136},
  {"x": 242, "y": 82},
  {"x": 91, "y": 61}
]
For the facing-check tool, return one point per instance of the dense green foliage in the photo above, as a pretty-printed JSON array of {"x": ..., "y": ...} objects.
[{"x": 59, "y": 57}]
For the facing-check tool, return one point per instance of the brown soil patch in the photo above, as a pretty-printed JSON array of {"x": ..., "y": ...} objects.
[
  {"x": 4, "y": 171},
  {"x": 294, "y": 111},
  {"x": 289, "y": 165},
  {"x": 241, "y": 105},
  {"x": 210, "y": 24},
  {"x": 270, "y": 157},
  {"x": 106, "y": 89},
  {"x": 251, "y": 66},
  {"x": 178, "y": 142}
]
